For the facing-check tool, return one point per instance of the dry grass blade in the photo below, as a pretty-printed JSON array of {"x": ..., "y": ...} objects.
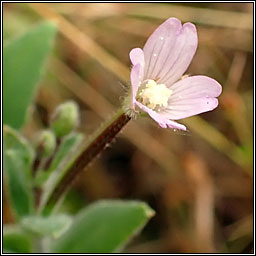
[
  {"x": 198, "y": 173},
  {"x": 82, "y": 41},
  {"x": 217, "y": 140},
  {"x": 203, "y": 16},
  {"x": 211, "y": 36},
  {"x": 198, "y": 15}
]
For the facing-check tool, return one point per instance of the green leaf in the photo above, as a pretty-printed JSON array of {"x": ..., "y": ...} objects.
[
  {"x": 15, "y": 240},
  {"x": 53, "y": 225},
  {"x": 68, "y": 143},
  {"x": 61, "y": 163},
  {"x": 17, "y": 159},
  {"x": 23, "y": 60},
  {"x": 104, "y": 227}
]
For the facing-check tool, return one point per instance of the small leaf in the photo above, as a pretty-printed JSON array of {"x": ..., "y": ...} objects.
[
  {"x": 17, "y": 159},
  {"x": 15, "y": 240},
  {"x": 104, "y": 227},
  {"x": 68, "y": 143},
  {"x": 60, "y": 164},
  {"x": 54, "y": 225},
  {"x": 23, "y": 60}
]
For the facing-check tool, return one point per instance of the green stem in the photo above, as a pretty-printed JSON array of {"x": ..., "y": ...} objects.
[{"x": 90, "y": 149}]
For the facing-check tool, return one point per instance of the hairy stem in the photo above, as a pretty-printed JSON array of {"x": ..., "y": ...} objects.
[{"x": 90, "y": 149}]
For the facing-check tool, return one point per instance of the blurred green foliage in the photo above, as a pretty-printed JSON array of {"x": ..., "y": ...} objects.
[
  {"x": 53, "y": 226},
  {"x": 18, "y": 156},
  {"x": 104, "y": 227},
  {"x": 15, "y": 240},
  {"x": 23, "y": 58}
]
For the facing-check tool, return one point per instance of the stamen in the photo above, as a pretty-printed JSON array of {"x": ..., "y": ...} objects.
[{"x": 155, "y": 95}]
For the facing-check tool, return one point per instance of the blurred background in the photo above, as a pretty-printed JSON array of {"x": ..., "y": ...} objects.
[{"x": 200, "y": 183}]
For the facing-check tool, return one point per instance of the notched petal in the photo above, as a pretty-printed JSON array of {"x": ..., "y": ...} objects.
[{"x": 169, "y": 51}]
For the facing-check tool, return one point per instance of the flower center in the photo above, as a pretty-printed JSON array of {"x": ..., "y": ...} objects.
[{"x": 154, "y": 95}]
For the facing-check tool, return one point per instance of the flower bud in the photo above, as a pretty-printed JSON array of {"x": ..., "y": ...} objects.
[
  {"x": 45, "y": 143},
  {"x": 65, "y": 118}
]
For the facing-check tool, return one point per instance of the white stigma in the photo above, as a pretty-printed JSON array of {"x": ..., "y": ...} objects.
[{"x": 154, "y": 94}]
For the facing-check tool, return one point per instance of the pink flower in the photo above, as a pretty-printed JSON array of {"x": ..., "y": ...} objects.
[{"x": 156, "y": 76}]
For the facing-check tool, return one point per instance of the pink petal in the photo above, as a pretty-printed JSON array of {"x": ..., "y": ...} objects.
[
  {"x": 158, "y": 46},
  {"x": 137, "y": 56},
  {"x": 135, "y": 77},
  {"x": 169, "y": 51},
  {"x": 192, "y": 96},
  {"x": 161, "y": 119},
  {"x": 137, "y": 59}
]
